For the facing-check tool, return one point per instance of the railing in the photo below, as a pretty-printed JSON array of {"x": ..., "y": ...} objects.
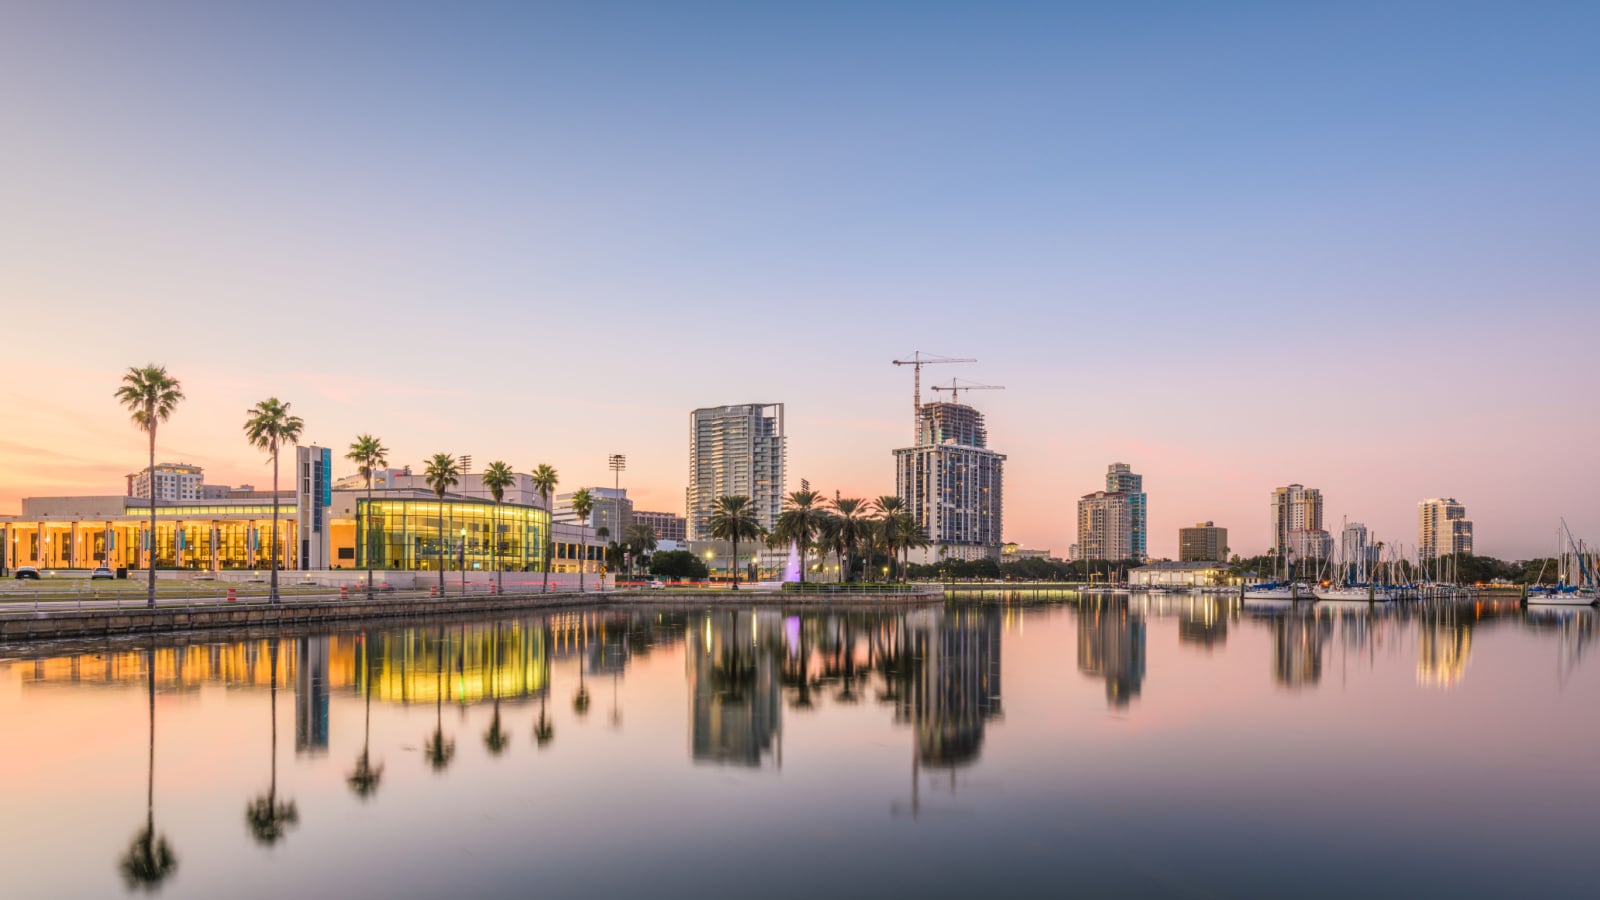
[{"x": 865, "y": 587}]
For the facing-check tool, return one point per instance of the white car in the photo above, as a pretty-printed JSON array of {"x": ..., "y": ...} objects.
[
  {"x": 102, "y": 572},
  {"x": 657, "y": 584}
]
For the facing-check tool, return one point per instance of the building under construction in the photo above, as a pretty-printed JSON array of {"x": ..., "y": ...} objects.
[{"x": 952, "y": 483}]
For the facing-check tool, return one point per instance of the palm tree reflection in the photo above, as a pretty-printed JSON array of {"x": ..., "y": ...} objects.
[
  {"x": 496, "y": 739},
  {"x": 149, "y": 859},
  {"x": 268, "y": 819},
  {"x": 544, "y": 731},
  {"x": 364, "y": 779},
  {"x": 439, "y": 750}
]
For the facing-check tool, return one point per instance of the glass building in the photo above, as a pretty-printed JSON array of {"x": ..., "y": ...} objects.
[{"x": 426, "y": 535}]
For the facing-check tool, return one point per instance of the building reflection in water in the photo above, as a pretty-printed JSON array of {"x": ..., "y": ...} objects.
[
  {"x": 954, "y": 690},
  {"x": 733, "y": 665},
  {"x": 1203, "y": 621},
  {"x": 1111, "y": 645},
  {"x": 1444, "y": 644},
  {"x": 311, "y": 696},
  {"x": 1297, "y": 645}
]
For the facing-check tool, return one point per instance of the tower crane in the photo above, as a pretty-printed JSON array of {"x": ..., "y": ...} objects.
[
  {"x": 916, "y": 362},
  {"x": 955, "y": 387}
]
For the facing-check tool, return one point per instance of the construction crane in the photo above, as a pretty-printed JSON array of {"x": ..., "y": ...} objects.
[
  {"x": 916, "y": 362},
  {"x": 955, "y": 387}
]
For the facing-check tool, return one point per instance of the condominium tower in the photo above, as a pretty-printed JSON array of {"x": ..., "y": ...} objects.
[
  {"x": 1205, "y": 542},
  {"x": 1443, "y": 528},
  {"x": 177, "y": 482},
  {"x": 1296, "y": 508},
  {"x": 1121, "y": 479},
  {"x": 951, "y": 482},
  {"x": 1105, "y": 526},
  {"x": 735, "y": 450}
]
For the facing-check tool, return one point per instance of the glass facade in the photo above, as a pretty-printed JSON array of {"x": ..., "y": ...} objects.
[
  {"x": 199, "y": 538},
  {"x": 427, "y": 535}
]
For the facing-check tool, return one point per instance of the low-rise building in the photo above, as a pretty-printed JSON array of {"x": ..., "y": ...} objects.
[
  {"x": 1181, "y": 574},
  {"x": 1205, "y": 542}
]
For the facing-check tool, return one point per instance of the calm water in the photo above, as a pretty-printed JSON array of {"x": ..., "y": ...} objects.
[{"x": 1130, "y": 747}]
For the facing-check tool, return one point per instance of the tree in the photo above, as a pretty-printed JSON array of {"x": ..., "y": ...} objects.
[
  {"x": 364, "y": 779},
  {"x": 582, "y": 506},
  {"x": 496, "y": 478},
  {"x": 149, "y": 859},
  {"x": 733, "y": 519},
  {"x": 909, "y": 535},
  {"x": 800, "y": 522},
  {"x": 678, "y": 564},
  {"x": 268, "y": 819},
  {"x": 545, "y": 480},
  {"x": 369, "y": 455},
  {"x": 269, "y": 428},
  {"x": 442, "y": 474},
  {"x": 850, "y": 515},
  {"x": 150, "y": 395},
  {"x": 639, "y": 538},
  {"x": 887, "y": 507}
]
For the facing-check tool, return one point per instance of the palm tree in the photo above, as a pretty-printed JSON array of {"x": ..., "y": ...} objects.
[
  {"x": 364, "y": 779},
  {"x": 909, "y": 535},
  {"x": 887, "y": 507},
  {"x": 496, "y": 478},
  {"x": 149, "y": 859},
  {"x": 438, "y": 749},
  {"x": 442, "y": 474},
  {"x": 268, "y": 428},
  {"x": 853, "y": 529},
  {"x": 268, "y": 819},
  {"x": 369, "y": 455},
  {"x": 582, "y": 506},
  {"x": 639, "y": 538},
  {"x": 733, "y": 519},
  {"x": 830, "y": 538},
  {"x": 545, "y": 480},
  {"x": 151, "y": 396},
  {"x": 799, "y": 523}
]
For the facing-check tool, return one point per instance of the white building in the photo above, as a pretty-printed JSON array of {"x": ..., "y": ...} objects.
[
  {"x": 735, "y": 451},
  {"x": 1105, "y": 526},
  {"x": 1443, "y": 528},
  {"x": 612, "y": 510},
  {"x": 1294, "y": 508},
  {"x": 175, "y": 482},
  {"x": 952, "y": 484}
]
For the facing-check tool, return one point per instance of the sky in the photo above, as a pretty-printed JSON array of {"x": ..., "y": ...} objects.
[{"x": 1235, "y": 245}]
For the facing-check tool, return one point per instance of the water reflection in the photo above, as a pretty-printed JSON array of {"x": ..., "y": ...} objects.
[
  {"x": 268, "y": 818},
  {"x": 149, "y": 859},
  {"x": 1111, "y": 645},
  {"x": 732, "y": 665}
]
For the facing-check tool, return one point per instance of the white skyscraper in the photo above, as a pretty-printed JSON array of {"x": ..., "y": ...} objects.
[
  {"x": 735, "y": 450},
  {"x": 1443, "y": 528}
]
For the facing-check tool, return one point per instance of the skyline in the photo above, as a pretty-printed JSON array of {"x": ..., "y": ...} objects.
[{"x": 1350, "y": 249}]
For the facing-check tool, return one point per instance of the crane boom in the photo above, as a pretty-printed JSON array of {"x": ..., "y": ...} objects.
[
  {"x": 916, "y": 362},
  {"x": 955, "y": 387}
]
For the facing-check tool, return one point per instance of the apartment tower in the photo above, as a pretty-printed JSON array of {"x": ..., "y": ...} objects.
[
  {"x": 1205, "y": 542},
  {"x": 1121, "y": 479},
  {"x": 1443, "y": 528},
  {"x": 1105, "y": 526},
  {"x": 951, "y": 483},
  {"x": 735, "y": 450}
]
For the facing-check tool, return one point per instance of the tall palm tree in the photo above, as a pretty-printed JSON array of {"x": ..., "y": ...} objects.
[
  {"x": 733, "y": 519},
  {"x": 496, "y": 478},
  {"x": 853, "y": 529},
  {"x": 442, "y": 474},
  {"x": 886, "y": 508},
  {"x": 149, "y": 859},
  {"x": 830, "y": 538},
  {"x": 364, "y": 778},
  {"x": 369, "y": 455},
  {"x": 909, "y": 535},
  {"x": 438, "y": 749},
  {"x": 639, "y": 538},
  {"x": 799, "y": 523},
  {"x": 268, "y": 819},
  {"x": 150, "y": 395},
  {"x": 582, "y": 506},
  {"x": 270, "y": 427},
  {"x": 545, "y": 480}
]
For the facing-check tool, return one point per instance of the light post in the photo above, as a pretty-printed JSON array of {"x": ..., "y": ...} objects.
[
  {"x": 617, "y": 463},
  {"x": 461, "y": 560}
]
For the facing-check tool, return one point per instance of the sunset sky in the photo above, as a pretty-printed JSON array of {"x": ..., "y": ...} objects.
[{"x": 1234, "y": 245}]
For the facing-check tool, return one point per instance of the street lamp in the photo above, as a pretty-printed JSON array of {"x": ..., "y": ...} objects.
[{"x": 461, "y": 560}]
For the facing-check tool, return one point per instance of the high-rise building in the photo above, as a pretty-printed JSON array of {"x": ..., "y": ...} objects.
[
  {"x": 612, "y": 510},
  {"x": 1353, "y": 543},
  {"x": 1105, "y": 526},
  {"x": 1310, "y": 543},
  {"x": 667, "y": 526},
  {"x": 1443, "y": 528},
  {"x": 951, "y": 483},
  {"x": 735, "y": 451},
  {"x": 1205, "y": 542},
  {"x": 1121, "y": 479},
  {"x": 176, "y": 482},
  {"x": 1294, "y": 508}
]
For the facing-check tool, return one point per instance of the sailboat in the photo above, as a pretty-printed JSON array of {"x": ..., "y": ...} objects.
[
  {"x": 1279, "y": 590},
  {"x": 1354, "y": 586},
  {"x": 1575, "y": 585}
]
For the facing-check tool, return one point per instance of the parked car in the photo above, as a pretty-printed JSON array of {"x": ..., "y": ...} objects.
[
  {"x": 102, "y": 572},
  {"x": 27, "y": 572},
  {"x": 658, "y": 583}
]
